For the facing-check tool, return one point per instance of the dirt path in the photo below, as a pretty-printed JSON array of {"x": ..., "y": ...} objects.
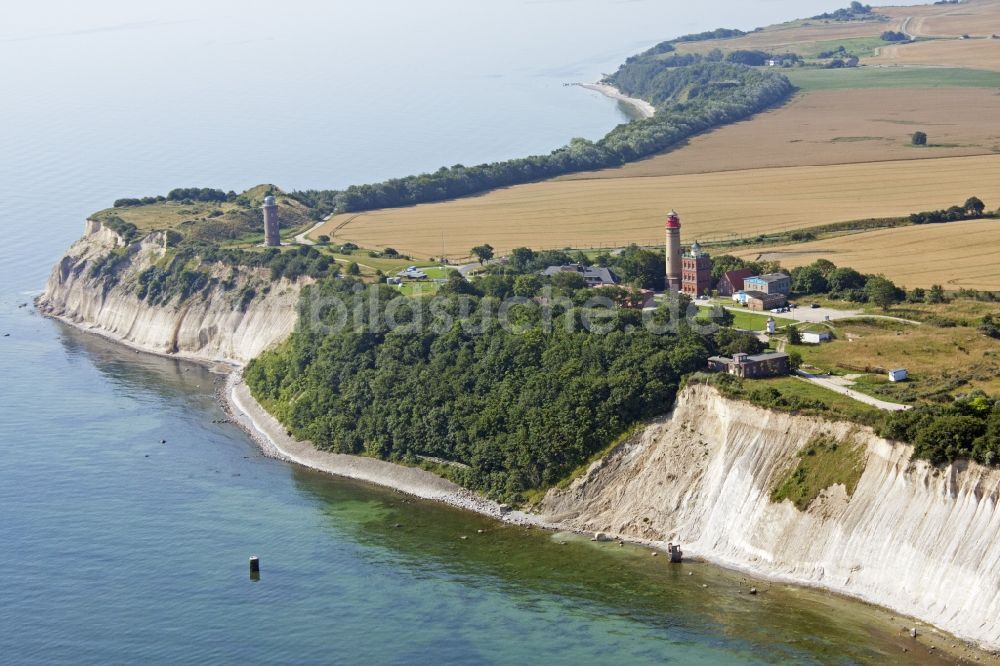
[{"x": 826, "y": 382}]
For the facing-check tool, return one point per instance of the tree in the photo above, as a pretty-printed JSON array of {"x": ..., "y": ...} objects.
[
  {"x": 845, "y": 279},
  {"x": 322, "y": 239},
  {"x": 919, "y": 139},
  {"x": 917, "y": 295},
  {"x": 569, "y": 281},
  {"x": 990, "y": 327},
  {"x": 730, "y": 341},
  {"x": 521, "y": 258},
  {"x": 794, "y": 360},
  {"x": 974, "y": 206},
  {"x": 457, "y": 284},
  {"x": 527, "y": 285},
  {"x": 483, "y": 252},
  {"x": 881, "y": 291},
  {"x": 936, "y": 294},
  {"x": 794, "y": 336},
  {"x": 721, "y": 316},
  {"x": 809, "y": 280},
  {"x": 353, "y": 268}
]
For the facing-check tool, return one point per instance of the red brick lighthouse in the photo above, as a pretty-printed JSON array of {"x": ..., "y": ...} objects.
[{"x": 673, "y": 226}]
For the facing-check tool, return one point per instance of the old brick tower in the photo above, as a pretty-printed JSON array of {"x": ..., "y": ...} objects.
[
  {"x": 272, "y": 237},
  {"x": 673, "y": 228},
  {"x": 696, "y": 269}
]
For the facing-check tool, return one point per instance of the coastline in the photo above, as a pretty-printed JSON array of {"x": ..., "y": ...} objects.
[
  {"x": 274, "y": 441},
  {"x": 272, "y": 438},
  {"x": 642, "y": 107}
]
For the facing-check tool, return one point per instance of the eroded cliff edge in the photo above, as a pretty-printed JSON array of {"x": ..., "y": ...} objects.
[
  {"x": 918, "y": 539},
  {"x": 235, "y": 316}
]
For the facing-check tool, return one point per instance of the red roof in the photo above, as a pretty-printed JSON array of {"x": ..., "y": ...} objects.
[
  {"x": 737, "y": 277},
  {"x": 673, "y": 221}
]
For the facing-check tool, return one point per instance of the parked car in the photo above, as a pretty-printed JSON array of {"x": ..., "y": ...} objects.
[{"x": 814, "y": 306}]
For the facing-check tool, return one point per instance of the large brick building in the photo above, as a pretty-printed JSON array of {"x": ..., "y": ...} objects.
[
  {"x": 696, "y": 272},
  {"x": 771, "y": 364},
  {"x": 772, "y": 283},
  {"x": 732, "y": 281}
]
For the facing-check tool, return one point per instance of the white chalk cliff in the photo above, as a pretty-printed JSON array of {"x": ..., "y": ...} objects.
[
  {"x": 210, "y": 326},
  {"x": 914, "y": 538}
]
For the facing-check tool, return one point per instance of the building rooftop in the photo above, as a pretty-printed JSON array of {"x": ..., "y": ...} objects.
[
  {"x": 592, "y": 274},
  {"x": 738, "y": 275},
  {"x": 755, "y": 358},
  {"x": 769, "y": 278}
]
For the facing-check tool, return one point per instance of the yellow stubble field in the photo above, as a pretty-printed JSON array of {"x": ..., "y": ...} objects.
[
  {"x": 837, "y": 127},
  {"x": 979, "y": 53},
  {"x": 954, "y": 254},
  {"x": 972, "y": 17},
  {"x": 714, "y": 206}
]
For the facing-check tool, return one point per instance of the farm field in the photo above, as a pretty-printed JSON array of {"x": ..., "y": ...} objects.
[
  {"x": 714, "y": 206},
  {"x": 973, "y": 17},
  {"x": 837, "y": 127},
  {"x": 889, "y": 78},
  {"x": 981, "y": 53},
  {"x": 956, "y": 254},
  {"x": 796, "y": 36}
]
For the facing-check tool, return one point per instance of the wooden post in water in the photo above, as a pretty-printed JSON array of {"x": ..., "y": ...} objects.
[{"x": 254, "y": 567}]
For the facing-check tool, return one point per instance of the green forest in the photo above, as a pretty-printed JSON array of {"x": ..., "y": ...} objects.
[{"x": 510, "y": 410}]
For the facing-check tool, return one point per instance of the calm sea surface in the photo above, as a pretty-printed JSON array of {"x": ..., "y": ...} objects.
[{"x": 115, "y": 547}]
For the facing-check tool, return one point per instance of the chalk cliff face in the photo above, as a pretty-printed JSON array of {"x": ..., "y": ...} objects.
[
  {"x": 210, "y": 326},
  {"x": 917, "y": 539}
]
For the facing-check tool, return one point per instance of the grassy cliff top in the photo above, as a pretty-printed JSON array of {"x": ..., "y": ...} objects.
[{"x": 206, "y": 215}]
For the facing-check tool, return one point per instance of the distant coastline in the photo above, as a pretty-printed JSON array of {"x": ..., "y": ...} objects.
[{"x": 642, "y": 107}]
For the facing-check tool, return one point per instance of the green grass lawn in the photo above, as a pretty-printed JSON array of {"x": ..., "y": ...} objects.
[
  {"x": 837, "y": 405},
  {"x": 859, "y": 46},
  {"x": 751, "y": 321},
  {"x": 426, "y": 287},
  {"x": 891, "y": 77},
  {"x": 755, "y": 321}
]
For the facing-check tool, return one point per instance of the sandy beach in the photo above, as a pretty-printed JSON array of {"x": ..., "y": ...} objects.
[
  {"x": 275, "y": 441},
  {"x": 645, "y": 109}
]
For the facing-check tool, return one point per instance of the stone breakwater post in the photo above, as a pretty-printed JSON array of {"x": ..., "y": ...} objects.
[{"x": 254, "y": 567}]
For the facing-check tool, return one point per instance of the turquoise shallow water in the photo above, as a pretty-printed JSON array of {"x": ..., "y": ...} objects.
[{"x": 117, "y": 548}]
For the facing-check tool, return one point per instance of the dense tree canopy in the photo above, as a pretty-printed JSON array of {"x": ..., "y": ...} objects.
[{"x": 520, "y": 409}]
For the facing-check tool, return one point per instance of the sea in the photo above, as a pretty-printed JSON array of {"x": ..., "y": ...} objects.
[{"x": 129, "y": 506}]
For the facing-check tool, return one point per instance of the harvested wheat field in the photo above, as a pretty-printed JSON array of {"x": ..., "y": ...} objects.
[
  {"x": 837, "y": 127},
  {"x": 795, "y": 36},
  {"x": 982, "y": 53},
  {"x": 956, "y": 254},
  {"x": 973, "y": 17},
  {"x": 616, "y": 211}
]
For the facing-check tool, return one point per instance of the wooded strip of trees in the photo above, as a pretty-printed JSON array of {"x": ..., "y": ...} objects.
[{"x": 965, "y": 428}]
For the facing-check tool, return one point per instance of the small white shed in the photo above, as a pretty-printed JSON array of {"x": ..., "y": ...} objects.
[
  {"x": 815, "y": 337},
  {"x": 898, "y": 375}
]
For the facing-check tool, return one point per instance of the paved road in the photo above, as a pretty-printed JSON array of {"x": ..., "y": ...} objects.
[
  {"x": 301, "y": 238},
  {"x": 807, "y": 315},
  {"x": 826, "y": 382}
]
